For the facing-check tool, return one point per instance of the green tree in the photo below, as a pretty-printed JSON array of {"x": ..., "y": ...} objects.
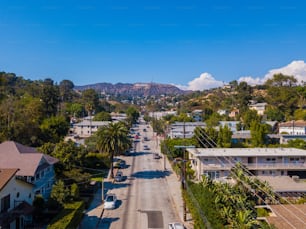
[
  {"x": 297, "y": 143},
  {"x": 50, "y": 97},
  {"x": 213, "y": 120},
  {"x": 158, "y": 126},
  {"x": 248, "y": 117},
  {"x": 103, "y": 116},
  {"x": 243, "y": 96},
  {"x": 113, "y": 139},
  {"x": 75, "y": 109},
  {"x": 206, "y": 137},
  {"x": 132, "y": 114},
  {"x": 66, "y": 90},
  {"x": 74, "y": 191},
  {"x": 282, "y": 94},
  {"x": 54, "y": 129},
  {"x": 90, "y": 98},
  {"x": 258, "y": 133},
  {"x": 300, "y": 114},
  {"x": 274, "y": 114},
  {"x": 59, "y": 192},
  {"x": 224, "y": 137}
]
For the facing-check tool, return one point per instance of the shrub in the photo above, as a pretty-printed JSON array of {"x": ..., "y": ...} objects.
[{"x": 69, "y": 217}]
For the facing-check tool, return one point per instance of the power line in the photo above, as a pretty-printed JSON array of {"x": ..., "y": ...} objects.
[{"x": 245, "y": 170}]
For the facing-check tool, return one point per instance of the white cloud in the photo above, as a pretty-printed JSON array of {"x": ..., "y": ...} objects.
[
  {"x": 204, "y": 81},
  {"x": 296, "y": 68},
  {"x": 250, "y": 80}
]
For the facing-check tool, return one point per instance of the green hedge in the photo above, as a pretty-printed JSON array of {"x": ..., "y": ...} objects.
[{"x": 69, "y": 217}]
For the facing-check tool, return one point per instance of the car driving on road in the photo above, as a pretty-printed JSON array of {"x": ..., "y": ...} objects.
[
  {"x": 119, "y": 176},
  {"x": 110, "y": 201}
]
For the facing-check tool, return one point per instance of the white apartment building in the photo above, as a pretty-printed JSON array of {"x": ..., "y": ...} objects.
[
  {"x": 184, "y": 129},
  {"x": 86, "y": 128},
  {"x": 217, "y": 162}
]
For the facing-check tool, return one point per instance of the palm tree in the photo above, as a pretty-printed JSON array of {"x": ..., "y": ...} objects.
[
  {"x": 113, "y": 139},
  {"x": 244, "y": 220}
]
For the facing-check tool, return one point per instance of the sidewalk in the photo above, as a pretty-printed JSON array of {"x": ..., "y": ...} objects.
[
  {"x": 174, "y": 186},
  {"x": 92, "y": 216}
]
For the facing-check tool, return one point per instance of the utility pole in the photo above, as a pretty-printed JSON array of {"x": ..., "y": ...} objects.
[{"x": 184, "y": 177}]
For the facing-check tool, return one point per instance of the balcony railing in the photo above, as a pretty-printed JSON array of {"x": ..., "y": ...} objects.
[
  {"x": 259, "y": 166},
  {"x": 25, "y": 179}
]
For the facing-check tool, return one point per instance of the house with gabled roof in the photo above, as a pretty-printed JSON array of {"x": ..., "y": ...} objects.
[
  {"x": 16, "y": 198},
  {"x": 34, "y": 168}
]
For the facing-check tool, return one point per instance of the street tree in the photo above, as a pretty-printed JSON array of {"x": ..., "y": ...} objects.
[{"x": 113, "y": 139}]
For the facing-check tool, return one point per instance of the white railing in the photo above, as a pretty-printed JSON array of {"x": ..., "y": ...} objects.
[{"x": 255, "y": 166}]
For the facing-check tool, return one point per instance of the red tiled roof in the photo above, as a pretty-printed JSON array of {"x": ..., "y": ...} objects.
[
  {"x": 297, "y": 123},
  {"x": 26, "y": 159},
  {"x": 5, "y": 176}
]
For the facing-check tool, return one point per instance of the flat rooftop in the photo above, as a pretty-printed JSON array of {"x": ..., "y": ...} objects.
[
  {"x": 246, "y": 152},
  {"x": 288, "y": 216},
  {"x": 284, "y": 183}
]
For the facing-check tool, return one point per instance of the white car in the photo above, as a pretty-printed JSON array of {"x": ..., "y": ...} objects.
[
  {"x": 176, "y": 225},
  {"x": 110, "y": 201}
]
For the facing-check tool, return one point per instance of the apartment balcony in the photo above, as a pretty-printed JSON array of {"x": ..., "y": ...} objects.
[
  {"x": 258, "y": 166},
  {"x": 25, "y": 179}
]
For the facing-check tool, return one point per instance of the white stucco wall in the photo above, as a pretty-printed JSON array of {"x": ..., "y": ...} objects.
[{"x": 13, "y": 187}]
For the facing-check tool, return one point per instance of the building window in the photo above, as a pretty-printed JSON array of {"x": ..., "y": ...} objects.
[
  {"x": 17, "y": 195},
  {"x": 5, "y": 203},
  {"x": 30, "y": 195}
]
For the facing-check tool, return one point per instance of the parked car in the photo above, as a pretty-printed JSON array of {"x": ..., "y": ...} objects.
[
  {"x": 145, "y": 147},
  {"x": 156, "y": 156},
  {"x": 110, "y": 201},
  {"x": 176, "y": 225},
  {"x": 119, "y": 176},
  {"x": 120, "y": 164}
]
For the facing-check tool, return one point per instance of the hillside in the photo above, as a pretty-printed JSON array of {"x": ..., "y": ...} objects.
[{"x": 137, "y": 89}]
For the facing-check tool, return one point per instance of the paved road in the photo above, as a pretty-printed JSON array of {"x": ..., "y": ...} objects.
[{"x": 144, "y": 197}]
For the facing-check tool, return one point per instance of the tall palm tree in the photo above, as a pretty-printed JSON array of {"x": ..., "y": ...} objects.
[{"x": 113, "y": 139}]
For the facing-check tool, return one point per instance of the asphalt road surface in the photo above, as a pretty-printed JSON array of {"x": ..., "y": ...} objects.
[{"x": 143, "y": 196}]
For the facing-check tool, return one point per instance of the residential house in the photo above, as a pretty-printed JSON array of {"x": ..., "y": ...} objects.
[
  {"x": 292, "y": 130},
  {"x": 197, "y": 115},
  {"x": 184, "y": 129},
  {"x": 222, "y": 112},
  {"x": 217, "y": 162},
  {"x": 293, "y": 127},
  {"x": 117, "y": 117},
  {"x": 33, "y": 167},
  {"x": 161, "y": 114},
  {"x": 232, "y": 125},
  {"x": 258, "y": 107},
  {"x": 16, "y": 197},
  {"x": 234, "y": 113}
]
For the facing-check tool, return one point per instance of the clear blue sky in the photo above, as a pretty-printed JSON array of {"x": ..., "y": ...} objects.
[{"x": 166, "y": 41}]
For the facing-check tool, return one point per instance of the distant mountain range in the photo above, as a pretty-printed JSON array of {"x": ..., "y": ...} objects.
[{"x": 136, "y": 89}]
